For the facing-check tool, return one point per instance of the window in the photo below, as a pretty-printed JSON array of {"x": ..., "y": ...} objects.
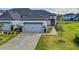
[{"x": 49, "y": 22}]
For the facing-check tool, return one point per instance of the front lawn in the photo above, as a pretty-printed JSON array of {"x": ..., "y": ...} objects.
[
  {"x": 74, "y": 28},
  {"x": 6, "y": 37},
  {"x": 50, "y": 42}
]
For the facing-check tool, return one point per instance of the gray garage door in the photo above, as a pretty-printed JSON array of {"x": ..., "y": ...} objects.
[
  {"x": 6, "y": 25},
  {"x": 33, "y": 27}
]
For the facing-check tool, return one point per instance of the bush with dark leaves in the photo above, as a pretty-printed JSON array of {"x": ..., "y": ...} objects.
[
  {"x": 5, "y": 32},
  {"x": 76, "y": 40}
]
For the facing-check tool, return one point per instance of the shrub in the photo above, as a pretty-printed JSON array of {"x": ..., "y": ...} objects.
[
  {"x": 5, "y": 32},
  {"x": 12, "y": 32},
  {"x": 1, "y": 38},
  {"x": 49, "y": 30},
  {"x": 18, "y": 30},
  {"x": 76, "y": 40},
  {"x": 59, "y": 27},
  {"x": 8, "y": 32}
]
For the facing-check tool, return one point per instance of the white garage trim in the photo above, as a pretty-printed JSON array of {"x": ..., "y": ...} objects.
[{"x": 44, "y": 22}]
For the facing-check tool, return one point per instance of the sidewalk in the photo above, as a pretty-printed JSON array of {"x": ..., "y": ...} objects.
[{"x": 53, "y": 32}]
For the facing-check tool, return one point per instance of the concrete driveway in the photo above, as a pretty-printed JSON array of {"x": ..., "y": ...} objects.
[{"x": 23, "y": 41}]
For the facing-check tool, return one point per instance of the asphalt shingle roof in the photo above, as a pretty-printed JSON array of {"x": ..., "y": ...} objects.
[
  {"x": 5, "y": 15},
  {"x": 18, "y": 13},
  {"x": 69, "y": 14},
  {"x": 28, "y": 13}
]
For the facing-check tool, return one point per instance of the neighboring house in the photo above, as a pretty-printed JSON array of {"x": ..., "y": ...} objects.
[
  {"x": 29, "y": 20},
  {"x": 69, "y": 16},
  {"x": 77, "y": 16}
]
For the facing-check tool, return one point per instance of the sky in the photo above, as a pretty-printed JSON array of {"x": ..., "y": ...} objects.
[
  {"x": 54, "y": 10},
  {"x": 63, "y": 10}
]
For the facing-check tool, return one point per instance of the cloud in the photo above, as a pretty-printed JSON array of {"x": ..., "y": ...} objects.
[
  {"x": 63, "y": 10},
  {"x": 55, "y": 10}
]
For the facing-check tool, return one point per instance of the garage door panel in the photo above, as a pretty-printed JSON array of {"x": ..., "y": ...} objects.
[
  {"x": 33, "y": 28},
  {"x": 6, "y": 26}
]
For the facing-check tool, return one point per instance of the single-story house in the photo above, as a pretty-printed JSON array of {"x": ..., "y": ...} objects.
[
  {"x": 77, "y": 16},
  {"x": 69, "y": 16},
  {"x": 30, "y": 20}
]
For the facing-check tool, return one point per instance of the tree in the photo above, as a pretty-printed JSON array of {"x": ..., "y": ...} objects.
[{"x": 61, "y": 21}]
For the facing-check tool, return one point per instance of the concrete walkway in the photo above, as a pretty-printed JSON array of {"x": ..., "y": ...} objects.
[
  {"x": 24, "y": 41},
  {"x": 53, "y": 32}
]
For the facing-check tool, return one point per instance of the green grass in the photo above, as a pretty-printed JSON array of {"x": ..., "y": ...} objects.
[
  {"x": 6, "y": 37},
  {"x": 50, "y": 42},
  {"x": 71, "y": 27}
]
